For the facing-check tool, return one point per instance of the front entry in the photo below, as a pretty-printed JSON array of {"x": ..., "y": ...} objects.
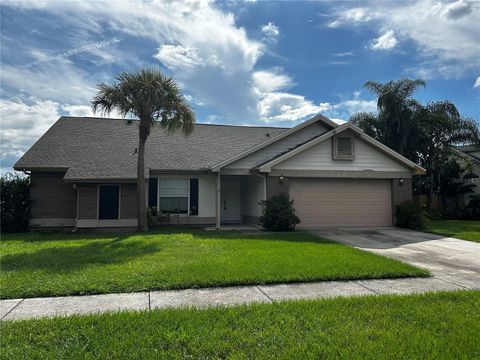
[{"x": 230, "y": 202}]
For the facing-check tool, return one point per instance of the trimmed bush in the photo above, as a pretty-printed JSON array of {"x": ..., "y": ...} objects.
[
  {"x": 15, "y": 202},
  {"x": 411, "y": 215},
  {"x": 278, "y": 214}
]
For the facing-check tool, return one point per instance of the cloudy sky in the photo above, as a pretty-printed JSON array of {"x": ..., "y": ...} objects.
[{"x": 253, "y": 62}]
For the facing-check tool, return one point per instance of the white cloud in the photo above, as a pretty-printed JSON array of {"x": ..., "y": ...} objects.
[
  {"x": 24, "y": 122},
  {"x": 353, "y": 16},
  {"x": 477, "y": 82},
  {"x": 285, "y": 107},
  {"x": 178, "y": 57},
  {"x": 270, "y": 32},
  {"x": 385, "y": 42},
  {"x": 86, "y": 111},
  {"x": 279, "y": 106},
  {"x": 268, "y": 81},
  {"x": 446, "y": 34}
]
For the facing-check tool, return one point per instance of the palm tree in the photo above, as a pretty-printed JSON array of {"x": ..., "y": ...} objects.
[
  {"x": 440, "y": 128},
  {"x": 395, "y": 110},
  {"x": 150, "y": 96}
]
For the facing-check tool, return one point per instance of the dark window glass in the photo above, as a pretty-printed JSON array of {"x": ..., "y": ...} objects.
[
  {"x": 152, "y": 192},
  {"x": 108, "y": 202},
  {"x": 193, "y": 196},
  {"x": 174, "y": 205},
  {"x": 344, "y": 146}
]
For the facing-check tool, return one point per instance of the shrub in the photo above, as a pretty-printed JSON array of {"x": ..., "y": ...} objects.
[
  {"x": 473, "y": 208},
  {"x": 278, "y": 214},
  {"x": 411, "y": 215},
  {"x": 15, "y": 202}
]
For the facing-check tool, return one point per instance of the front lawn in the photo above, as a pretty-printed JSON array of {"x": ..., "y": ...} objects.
[
  {"x": 460, "y": 229},
  {"x": 430, "y": 326},
  {"x": 63, "y": 264}
]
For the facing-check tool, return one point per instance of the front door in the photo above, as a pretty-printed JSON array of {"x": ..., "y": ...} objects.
[{"x": 230, "y": 202}]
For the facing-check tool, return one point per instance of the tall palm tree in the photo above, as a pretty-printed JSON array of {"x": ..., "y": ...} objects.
[
  {"x": 395, "y": 109},
  {"x": 150, "y": 96}
]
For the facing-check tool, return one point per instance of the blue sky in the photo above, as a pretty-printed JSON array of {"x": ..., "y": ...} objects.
[{"x": 253, "y": 62}]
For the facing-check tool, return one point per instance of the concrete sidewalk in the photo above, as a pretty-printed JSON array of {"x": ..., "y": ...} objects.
[{"x": 17, "y": 309}]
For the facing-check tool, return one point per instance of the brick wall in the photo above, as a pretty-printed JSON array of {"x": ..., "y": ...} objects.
[
  {"x": 274, "y": 187},
  {"x": 52, "y": 198}
]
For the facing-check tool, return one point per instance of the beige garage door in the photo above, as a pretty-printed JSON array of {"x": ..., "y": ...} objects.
[{"x": 323, "y": 203}]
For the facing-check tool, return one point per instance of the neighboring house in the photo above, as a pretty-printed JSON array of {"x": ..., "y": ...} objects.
[{"x": 83, "y": 174}]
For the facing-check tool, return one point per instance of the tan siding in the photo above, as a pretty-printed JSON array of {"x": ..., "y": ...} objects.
[
  {"x": 319, "y": 157},
  {"x": 278, "y": 147},
  {"x": 401, "y": 193},
  {"x": 342, "y": 202},
  {"x": 52, "y": 198}
]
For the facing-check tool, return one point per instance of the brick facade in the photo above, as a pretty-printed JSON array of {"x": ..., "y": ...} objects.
[{"x": 52, "y": 198}]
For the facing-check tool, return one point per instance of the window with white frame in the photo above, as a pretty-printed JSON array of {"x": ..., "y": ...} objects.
[
  {"x": 343, "y": 148},
  {"x": 173, "y": 195}
]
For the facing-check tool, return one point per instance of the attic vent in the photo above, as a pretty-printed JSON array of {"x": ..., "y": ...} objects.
[
  {"x": 129, "y": 121},
  {"x": 268, "y": 134}
]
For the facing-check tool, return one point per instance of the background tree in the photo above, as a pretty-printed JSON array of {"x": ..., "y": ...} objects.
[
  {"x": 396, "y": 107},
  {"x": 439, "y": 127},
  {"x": 432, "y": 131},
  {"x": 15, "y": 202},
  {"x": 150, "y": 96}
]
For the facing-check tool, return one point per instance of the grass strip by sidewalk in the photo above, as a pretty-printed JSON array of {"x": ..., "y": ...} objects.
[
  {"x": 36, "y": 265},
  {"x": 430, "y": 326}
]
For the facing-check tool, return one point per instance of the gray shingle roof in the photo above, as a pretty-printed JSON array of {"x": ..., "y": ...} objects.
[{"x": 100, "y": 148}]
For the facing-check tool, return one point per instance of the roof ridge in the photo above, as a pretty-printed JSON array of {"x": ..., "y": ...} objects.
[{"x": 198, "y": 123}]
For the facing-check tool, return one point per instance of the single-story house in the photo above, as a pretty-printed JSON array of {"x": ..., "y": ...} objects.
[{"x": 83, "y": 173}]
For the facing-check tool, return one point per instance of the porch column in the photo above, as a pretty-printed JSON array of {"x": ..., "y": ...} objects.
[{"x": 218, "y": 201}]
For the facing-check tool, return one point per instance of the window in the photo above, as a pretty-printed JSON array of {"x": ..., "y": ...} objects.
[
  {"x": 343, "y": 148},
  {"x": 108, "y": 202},
  {"x": 173, "y": 195}
]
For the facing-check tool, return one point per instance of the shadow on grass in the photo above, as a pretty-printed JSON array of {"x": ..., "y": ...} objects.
[{"x": 70, "y": 258}]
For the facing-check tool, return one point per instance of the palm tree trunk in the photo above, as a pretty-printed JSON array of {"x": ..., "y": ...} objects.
[{"x": 141, "y": 204}]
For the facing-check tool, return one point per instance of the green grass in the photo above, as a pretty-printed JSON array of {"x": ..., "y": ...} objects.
[
  {"x": 460, "y": 229},
  {"x": 63, "y": 264},
  {"x": 430, "y": 326}
]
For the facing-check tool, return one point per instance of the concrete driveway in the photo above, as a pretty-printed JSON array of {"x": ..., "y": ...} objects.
[{"x": 449, "y": 259}]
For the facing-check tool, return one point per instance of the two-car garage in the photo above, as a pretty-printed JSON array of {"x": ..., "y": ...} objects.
[{"x": 337, "y": 202}]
